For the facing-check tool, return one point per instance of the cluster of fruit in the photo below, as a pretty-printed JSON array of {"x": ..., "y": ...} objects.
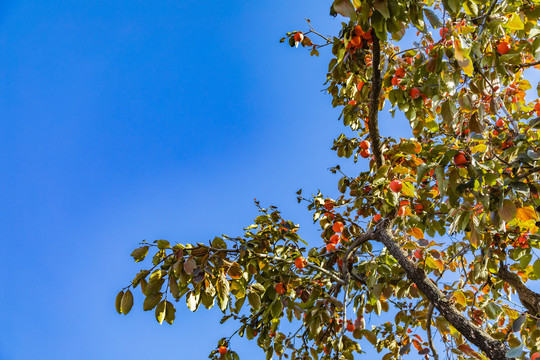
[{"x": 359, "y": 37}]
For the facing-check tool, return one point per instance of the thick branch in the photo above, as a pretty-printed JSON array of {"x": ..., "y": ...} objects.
[
  {"x": 373, "y": 121},
  {"x": 494, "y": 349},
  {"x": 529, "y": 299}
]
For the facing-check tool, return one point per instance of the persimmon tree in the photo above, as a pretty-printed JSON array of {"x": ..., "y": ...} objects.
[{"x": 441, "y": 232}]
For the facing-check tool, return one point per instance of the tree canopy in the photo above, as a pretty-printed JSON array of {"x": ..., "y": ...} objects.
[{"x": 441, "y": 233}]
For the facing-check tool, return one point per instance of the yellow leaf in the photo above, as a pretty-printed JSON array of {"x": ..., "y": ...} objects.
[
  {"x": 479, "y": 148},
  {"x": 515, "y": 22},
  {"x": 458, "y": 51},
  {"x": 408, "y": 189},
  {"x": 467, "y": 66},
  {"x": 460, "y": 298},
  {"x": 435, "y": 264},
  {"x": 526, "y": 213},
  {"x": 417, "y": 233}
]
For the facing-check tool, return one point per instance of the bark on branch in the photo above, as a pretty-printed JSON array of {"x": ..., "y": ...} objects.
[
  {"x": 373, "y": 121},
  {"x": 494, "y": 349},
  {"x": 529, "y": 299}
]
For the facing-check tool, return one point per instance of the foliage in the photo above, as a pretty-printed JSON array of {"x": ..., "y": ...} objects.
[{"x": 440, "y": 232}]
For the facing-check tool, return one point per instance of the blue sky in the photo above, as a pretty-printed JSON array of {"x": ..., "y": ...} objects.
[{"x": 130, "y": 120}]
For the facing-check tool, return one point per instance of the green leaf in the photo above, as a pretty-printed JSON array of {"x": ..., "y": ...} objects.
[
  {"x": 254, "y": 300},
  {"x": 536, "y": 268},
  {"x": 433, "y": 18},
  {"x": 163, "y": 244},
  {"x": 493, "y": 310},
  {"x": 276, "y": 308},
  {"x": 439, "y": 173},
  {"x": 118, "y": 302},
  {"x": 127, "y": 302},
  {"x": 372, "y": 338},
  {"x": 160, "y": 312},
  {"x": 382, "y": 7},
  {"x": 525, "y": 260},
  {"x": 219, "y": 243},
  {"x": 344, "y": 8},
  {"x": 140, "y": 253},
  {"x": 151, "y": 301}
]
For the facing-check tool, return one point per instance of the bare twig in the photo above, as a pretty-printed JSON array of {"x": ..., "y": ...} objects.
[{"x": 428, "y": 330}]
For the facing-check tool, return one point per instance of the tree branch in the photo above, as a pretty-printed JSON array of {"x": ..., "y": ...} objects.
[
  {"x": 529, "y": 298},
  {"x": 373, "y": 121},
  {"x": 526, "y": 65},
  {"x": 335, "y": 277},
  {"x": 494, "y": 349},
  {"x": 430, "y": 338}
]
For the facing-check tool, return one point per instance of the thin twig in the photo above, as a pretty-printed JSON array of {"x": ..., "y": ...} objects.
[{"x": 428, "y": 330}]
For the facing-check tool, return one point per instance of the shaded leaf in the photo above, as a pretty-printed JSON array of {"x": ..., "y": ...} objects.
[
  {"x": 235, "y": 271},
  {"x": 189, "y": 265},
  {"x": 518, "y": 323},
  {"x": 151, "y": 301},
  {"x": 508, "y": 210},
  {"x": 170, "y": 313},
  {"x": 140, "y": 253},
  {"x": 118, "y": 302},
  {"x": 254, "y": 300},
  {"x": 127, "y": 302},
  {"x": 433, "y": 18}
]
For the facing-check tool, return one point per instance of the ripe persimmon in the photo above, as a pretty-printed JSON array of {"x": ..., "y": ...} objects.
[
  {"x": 365, "y": 145},
  {"x": 358, "y": 30},
  {"x": 300, "y": 262},
  {"x": 499, "y": 123},
  {"x": 328, "y": 205},
  {"x": 298, "y": 37},
  {"x": 280, "y": 288},
  {"x": 222, "y": 350},
  {"x": 377, "y": 217},
  {"x": 396, "y": 186},
  {"x": 350, "y": 327},
  {"x": 460, "y": 159},
  {"x": 352, "y": 102},
  {"x": 334, "y": 239},
  {"x": 360, "y": 85},
  {"x": 330, "y": 247},
  {"x": 367, "y": 35},
  {"x": 400, "y": 72},
  {"x": 396, "y": 80},
  {"x": 503, "y": 48},
  {"x": 338, "y": 227},
  {"x": 365, "y": 153},
  {"x": 356, "y": 41},
  {"x": 415, "y": 93}
]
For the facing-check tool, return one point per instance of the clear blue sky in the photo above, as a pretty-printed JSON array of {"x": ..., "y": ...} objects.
[{"x": 129, "y": 120}]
